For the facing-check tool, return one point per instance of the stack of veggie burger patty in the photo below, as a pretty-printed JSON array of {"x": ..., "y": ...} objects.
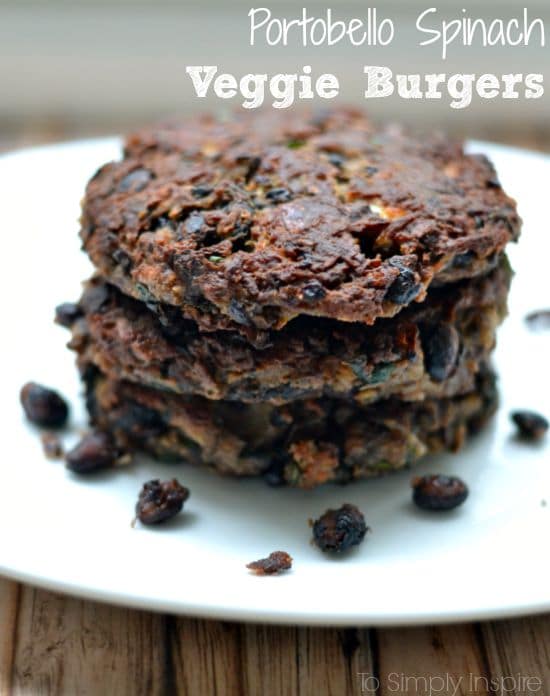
[{"x": 305, "y": 296}]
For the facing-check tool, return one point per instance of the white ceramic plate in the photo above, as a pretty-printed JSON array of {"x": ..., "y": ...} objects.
[{"x": 488, "y": 558}]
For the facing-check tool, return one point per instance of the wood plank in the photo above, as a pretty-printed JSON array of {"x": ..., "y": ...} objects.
[
  {"x": 210, "y": 657},
  {"x": 451, "y": 656},
  {"x": 305, "y": 661},
  {"x": 332, "y": 660},
  {"x": 69, "y": 646},
  {"x": 66, "y": 646},
  {"x": 9, "y": 605},
  {"x": 270, "y": 660},
  {"x": 518, "y": 651},
  {"x": 203, "y": 657}
]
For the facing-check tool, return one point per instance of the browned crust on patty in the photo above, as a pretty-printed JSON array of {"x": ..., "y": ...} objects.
[
  {"x": 256, "y": 220},
  {"x": 304, "y": 443},
  {"x": 308, "y": 358}
]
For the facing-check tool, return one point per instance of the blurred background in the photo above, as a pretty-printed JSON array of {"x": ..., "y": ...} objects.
[{"x": 77, "y": 68}]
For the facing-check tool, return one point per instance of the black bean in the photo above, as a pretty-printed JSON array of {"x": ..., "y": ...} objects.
[
  {"x": 279, "y": 195},
  {"x": 122, "y": 259},
  {"x": 339, "y": 530},
  {"x": 44, "y": 406},
  {"x": 441, "y": 345},
  {"x": 439, "y": 492},
  {"x": 479, "y": 223},
  {"x": 313, "y": 291},
  {"x": 275, "y": 563},
  {"x": 194, "y": 223},
  {"x": 531, "y": 425},
  {"x": 94, "y": 299},
  {"x": 144, "y": 293},
  {"x": 135, "y": 181},
  {"x": 463, "y": 260},
  {"x": 67, "y": 313},
  {"x": 162, "y": 222},
  {"x": 237, "y": 312},
  {"x": 160, "y": 500},
  {"x": 141, "y": 421},
  {"x": 275, "y": 475},
  {"x": 201, "y": 191},
  {"x": 404, "y": 288},
  {"x": 95, "y": 451}
]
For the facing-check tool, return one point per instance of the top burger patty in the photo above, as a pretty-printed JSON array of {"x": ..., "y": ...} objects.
[{"x": 250, "y": 222}]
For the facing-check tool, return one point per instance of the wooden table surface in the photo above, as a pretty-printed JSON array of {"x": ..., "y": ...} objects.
[{"x": 53, "y": 644}]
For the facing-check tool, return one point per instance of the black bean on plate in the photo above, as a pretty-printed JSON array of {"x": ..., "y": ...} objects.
[
  {"x": 95, "y": 451},
  {"x": 44, "y": 406},
  {"x": 530, "y": 424},
  {"x": 160, "y": 500},
  {"x": 339, "y": 530},
  {"x": 439, "y": 492}
]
